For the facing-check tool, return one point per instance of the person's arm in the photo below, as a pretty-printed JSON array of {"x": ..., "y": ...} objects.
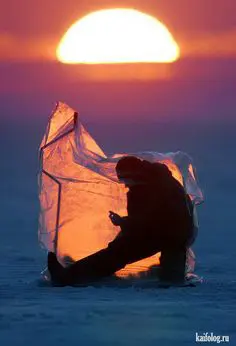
[{"x": 139, "y": 208}]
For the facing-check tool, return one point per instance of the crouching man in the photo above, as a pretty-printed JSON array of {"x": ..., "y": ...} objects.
[{"x": 159, "y": 219}]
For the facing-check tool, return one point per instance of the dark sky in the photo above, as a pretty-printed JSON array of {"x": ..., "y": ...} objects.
[{"x": 201, "y": 85}]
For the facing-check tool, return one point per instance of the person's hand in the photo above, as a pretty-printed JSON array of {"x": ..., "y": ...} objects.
[{"x": 115, "y": 218}]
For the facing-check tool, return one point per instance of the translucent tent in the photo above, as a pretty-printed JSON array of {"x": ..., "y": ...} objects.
[{"x": 78, "y": 186}]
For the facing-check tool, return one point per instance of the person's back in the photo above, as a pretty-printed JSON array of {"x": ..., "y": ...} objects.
[
  {"x": 158, "y": 200},
  {"x": 177, "y": 222}
]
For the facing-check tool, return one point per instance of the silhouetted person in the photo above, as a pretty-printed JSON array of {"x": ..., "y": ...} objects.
[{"x": 159, "y": 220}]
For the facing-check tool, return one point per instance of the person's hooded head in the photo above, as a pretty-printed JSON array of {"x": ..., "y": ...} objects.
[{"x": 131, "y": 170}]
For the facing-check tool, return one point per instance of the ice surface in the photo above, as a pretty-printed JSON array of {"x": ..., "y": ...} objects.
[{"x": 32, "y": 314}]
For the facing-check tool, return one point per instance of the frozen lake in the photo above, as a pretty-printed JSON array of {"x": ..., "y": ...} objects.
[{"x": 31, "y": 312}]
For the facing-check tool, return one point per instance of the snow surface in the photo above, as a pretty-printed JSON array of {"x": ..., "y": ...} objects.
[{"x": 130, "y": 313}]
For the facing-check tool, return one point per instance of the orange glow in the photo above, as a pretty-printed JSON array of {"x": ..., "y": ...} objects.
[
  {"x": 174, "y": 170},
  {"x": 117, "y": 36},
  {"x": 190, "y": 169},
  {"x": 140, "y": 267}
]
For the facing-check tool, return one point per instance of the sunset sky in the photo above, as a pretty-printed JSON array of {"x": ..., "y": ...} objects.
[{"x": 200, "y": 85}]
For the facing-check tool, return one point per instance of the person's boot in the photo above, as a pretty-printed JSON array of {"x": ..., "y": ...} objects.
[{"x": 56, "y": 270}]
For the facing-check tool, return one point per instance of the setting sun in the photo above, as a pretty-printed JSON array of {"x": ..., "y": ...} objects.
[{"x": 117, "y": 36}]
